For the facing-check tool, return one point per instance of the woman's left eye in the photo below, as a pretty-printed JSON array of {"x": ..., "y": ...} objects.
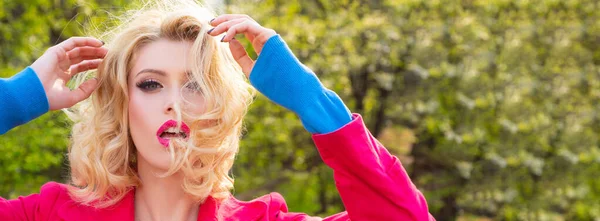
[{"x": 194, "y": 86}]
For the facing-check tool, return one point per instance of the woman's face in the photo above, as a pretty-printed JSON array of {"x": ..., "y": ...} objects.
[{"x": 157, "y": 83}]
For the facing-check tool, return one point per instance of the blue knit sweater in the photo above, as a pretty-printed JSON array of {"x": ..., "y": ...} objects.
[
  {"x": 22, "y": 98},
  {"x": 277, "y": 74}
]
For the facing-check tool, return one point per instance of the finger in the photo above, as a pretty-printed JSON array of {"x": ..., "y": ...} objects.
[
  {"x": 84, "y": 66},
  {"x": 241, "y": 56},
  {"x": 76, "y": 66},
  {"x": 60, "y": 50},
  {"x": 86, "y": 52},
  {"x": 246, "y": 27},
  {"x": 227, "y": 17},
  {"x": 74, "y": 42},
  {"x": 82, "y": 92},
  {"x": 223, "y": 27},
  {"x": 83, "y": 59},
  {"x": 61, "y": 57},
  {"x": 249, "y": 37}
]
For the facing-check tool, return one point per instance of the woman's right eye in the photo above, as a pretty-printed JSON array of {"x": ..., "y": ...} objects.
[{"x": 149, "y": 85}]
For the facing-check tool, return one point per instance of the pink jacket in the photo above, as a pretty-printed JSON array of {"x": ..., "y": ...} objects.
[{"x": 372, "y": 183}]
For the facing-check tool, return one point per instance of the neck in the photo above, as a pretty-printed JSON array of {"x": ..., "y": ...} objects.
[{"x": 162, "y": 198}]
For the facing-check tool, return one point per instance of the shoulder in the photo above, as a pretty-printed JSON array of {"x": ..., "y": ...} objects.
[
  {"x": 37, "y": 206},
  {"x": 56, "y": 203},
  {"x": 54, "y": 189},
  {"x": 271, "y": 206},
  {"x": 265, "y": 206},
  {"x": 270, "y": 202},
  {"x": 52, "y": 194},
  {"x": 45, "y": 204}
]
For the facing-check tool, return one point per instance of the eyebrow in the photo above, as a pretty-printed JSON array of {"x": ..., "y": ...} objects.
[{"x": 161, "y": 73}]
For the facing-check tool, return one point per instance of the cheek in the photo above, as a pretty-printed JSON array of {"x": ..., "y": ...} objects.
[
  {"x": 137, "y": 112},
  {"x": 195, "y": 103},
  {"x": 144, "y": 116}
]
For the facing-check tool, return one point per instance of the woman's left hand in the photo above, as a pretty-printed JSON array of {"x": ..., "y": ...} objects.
[{"x": 234, "y": 24}]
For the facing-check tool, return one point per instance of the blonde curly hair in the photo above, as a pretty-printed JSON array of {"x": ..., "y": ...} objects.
[{"x": 102, "y": 153}]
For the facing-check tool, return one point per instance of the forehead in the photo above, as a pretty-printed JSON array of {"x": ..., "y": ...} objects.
[{"x": 164, "y": 55}]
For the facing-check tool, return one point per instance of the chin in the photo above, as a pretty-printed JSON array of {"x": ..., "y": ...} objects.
[{"x": 156, "y": 156}]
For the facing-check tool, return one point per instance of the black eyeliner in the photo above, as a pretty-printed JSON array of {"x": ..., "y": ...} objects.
[{"x": 146, "y": 84}]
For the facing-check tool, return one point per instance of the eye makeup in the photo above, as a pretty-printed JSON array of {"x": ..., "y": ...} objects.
[
  {"x": 148, "y": 85},
  {"x": 193, "y": 86}
]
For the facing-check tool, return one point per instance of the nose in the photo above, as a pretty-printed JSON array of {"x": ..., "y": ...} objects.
[
  {"x": 169, "y": 107},
  {"x": 172, "y": 102}
]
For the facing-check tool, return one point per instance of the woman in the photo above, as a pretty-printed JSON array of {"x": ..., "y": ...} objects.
[{"x": 158, "y": 136}]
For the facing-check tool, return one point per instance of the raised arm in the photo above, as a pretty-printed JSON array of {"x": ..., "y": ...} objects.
[
  {"x": 372, "y": 183},
  {"x": 42, "y": 86},
  {"x": 34, "y": 91}
]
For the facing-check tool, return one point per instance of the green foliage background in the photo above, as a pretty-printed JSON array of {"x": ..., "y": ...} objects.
[{"x": 492, "y": 105}]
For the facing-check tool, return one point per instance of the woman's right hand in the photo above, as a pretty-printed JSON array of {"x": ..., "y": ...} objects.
[{"x": 61, "y": 62}]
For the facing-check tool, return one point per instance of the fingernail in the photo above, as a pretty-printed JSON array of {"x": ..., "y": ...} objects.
[
  {"x": 209, "y": 31},
  {"x": 210, "y": 22},
  {"x": 102, "y": 42},
  {"x": 223, "y": 38}
]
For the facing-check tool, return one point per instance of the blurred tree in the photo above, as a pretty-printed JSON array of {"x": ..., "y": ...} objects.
[
  {"x": 33, "y": 154},
  {"x": 500, "y": 96},
  {"x": 490, "y": 104}
]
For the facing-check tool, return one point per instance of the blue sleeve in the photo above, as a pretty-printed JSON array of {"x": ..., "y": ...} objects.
[
  {"x": 282, "y": 78},
  {"x": 22, "y": 98}
]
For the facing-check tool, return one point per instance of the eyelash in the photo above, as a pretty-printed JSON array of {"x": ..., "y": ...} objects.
[
  {"x": 151, "y": 85},
  {"x": 146, "y": 84},
  {"x": 194, "y": 86}
]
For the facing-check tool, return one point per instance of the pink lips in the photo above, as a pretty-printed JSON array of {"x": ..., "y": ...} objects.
[{"x": 167, "y": 125}]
